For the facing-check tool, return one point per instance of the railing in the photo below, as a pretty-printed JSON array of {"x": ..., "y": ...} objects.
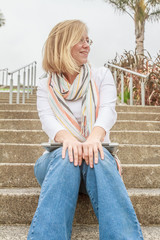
[
  {"x": 4, "y": 77},
  {"x": 28, "y": 76},
  {"x": 143, "y": 79}
]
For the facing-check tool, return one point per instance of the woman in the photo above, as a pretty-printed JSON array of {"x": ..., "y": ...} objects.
[{"x": 76, "y": 106}]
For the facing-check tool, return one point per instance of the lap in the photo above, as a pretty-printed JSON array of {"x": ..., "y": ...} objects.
[{"x": 49, "y": 159}]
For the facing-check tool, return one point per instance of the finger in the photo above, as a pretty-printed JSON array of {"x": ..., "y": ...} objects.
[
  {"x": 70, "y": 153},
  {"x": 85, "y": 154},
  {"x": 91, "y": 156},
  {"x": 95, "y": 154},
  {"x": 64, "y": 150},
  {"x": 79, "y": 155},
  {"x": 101, "y": 151},
  {"x": 75, "y": 156}
]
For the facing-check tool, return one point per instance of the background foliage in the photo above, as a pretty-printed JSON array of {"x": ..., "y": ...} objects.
[{"x": 130, "y": 60}]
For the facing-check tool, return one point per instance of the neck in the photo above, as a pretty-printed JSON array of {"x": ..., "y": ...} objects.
[{"x": 70, "y": 77}]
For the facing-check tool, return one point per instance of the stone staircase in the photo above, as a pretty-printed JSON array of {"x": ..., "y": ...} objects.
[{"x": 138, "y": 133}]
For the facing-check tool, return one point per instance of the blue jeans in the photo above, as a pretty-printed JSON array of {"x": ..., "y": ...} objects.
[{"x": 60, "y": 181}]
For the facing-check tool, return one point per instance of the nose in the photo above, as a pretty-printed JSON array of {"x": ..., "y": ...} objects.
[{"x": 86, "y": 44}]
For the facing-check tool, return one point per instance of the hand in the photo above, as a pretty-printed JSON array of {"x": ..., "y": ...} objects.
[
  {"x": 90, "y": 151},
  {"x": 74, "y": 150},
  {"x": 73, "y": 145}
]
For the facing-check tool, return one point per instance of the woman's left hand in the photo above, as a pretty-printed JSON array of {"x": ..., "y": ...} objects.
[{"x": 90, "y": 151}]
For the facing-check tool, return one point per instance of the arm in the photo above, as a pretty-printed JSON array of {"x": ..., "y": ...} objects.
[
  {"x": 55, "y": 131},
  {"x": 106, "y": 118}
]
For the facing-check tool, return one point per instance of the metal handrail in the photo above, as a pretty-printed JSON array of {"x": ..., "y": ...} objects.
[
  {"x": 4, "y": 79},
  {"x": 26, "y": 72},
  {"x": 143, "y": 80},
  {"x": 3, "y": 69},
  {"x": 22, "y": 67}
]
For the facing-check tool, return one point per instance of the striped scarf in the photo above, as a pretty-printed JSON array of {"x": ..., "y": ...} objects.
[{"x": 83, "y": 87}]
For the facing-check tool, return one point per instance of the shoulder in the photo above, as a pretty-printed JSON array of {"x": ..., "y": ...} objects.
[
  {"x": 101, "y": 74},
  {"x": 42, "y": 81}
]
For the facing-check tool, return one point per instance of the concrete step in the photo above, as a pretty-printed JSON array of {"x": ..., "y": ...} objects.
[
  {"x": 136, "y": 125},
  {"x": 137, "y": 108},
  {"x": 18, "y": 107},
  {"x": 128, "y": 153},
  {"x": 5, "y": 95},
  {"x": 18, "y": 206},
  {"x": 147, "y": 116},
  {"x": 14, "y": 101},
  {"x": 124, "y": 108},
  {"x": 27, "y": 114},
  {"x": 35, "y": 124},
  {"x": 136, "y": 137},
  {"x": 135, "y": 176},
  {"x": 79, "y": 232},
  {"x": 139, "y": 154},
  {"x": 22, "y": 124},
  {"x": 38, "y": 136}
]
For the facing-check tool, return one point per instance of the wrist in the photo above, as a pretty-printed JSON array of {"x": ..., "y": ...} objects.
[{"x": 62, "y": 136}]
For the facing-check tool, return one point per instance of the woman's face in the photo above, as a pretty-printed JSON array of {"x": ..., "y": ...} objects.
[{"x": 81, "y": 50}]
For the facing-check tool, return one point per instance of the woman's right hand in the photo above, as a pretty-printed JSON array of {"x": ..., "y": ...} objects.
[{"x": 72, "y": 144}]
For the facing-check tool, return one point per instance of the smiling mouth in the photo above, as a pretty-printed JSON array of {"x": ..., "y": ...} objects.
[{"x": 84, "y": 53}]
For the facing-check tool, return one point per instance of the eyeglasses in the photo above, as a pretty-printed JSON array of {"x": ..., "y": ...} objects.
[{"x": 88, "y": 41}]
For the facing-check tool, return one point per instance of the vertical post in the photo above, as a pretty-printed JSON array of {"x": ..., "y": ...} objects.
[
  {"x": 131, "y": 89},
  {"x": 11, "y": 89},
  {"x": 7, "y": 77},
  {"x": 3, "y": 78},
  {"x": 32, "y": 79},
  {"x": 122, "y": 87},
  {"x": 28, "y": 82},
  {"x": 115, "y": 76},
  {"x": 18, "y": 87},
  {"x": 142, "y": 92},
  {"x": 35, "y": 69},
  {"x": 24, "y": 86}
]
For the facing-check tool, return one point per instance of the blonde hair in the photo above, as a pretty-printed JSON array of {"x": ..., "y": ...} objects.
[{"x": 57, "y": 49}]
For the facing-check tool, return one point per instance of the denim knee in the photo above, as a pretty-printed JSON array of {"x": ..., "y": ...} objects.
[{"x": 42, "y": 164}]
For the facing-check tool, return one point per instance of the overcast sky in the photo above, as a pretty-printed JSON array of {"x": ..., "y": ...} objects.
[{"x": 28, "y": 23}]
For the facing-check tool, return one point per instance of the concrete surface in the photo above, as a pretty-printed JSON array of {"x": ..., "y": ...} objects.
[
  {"x": 128, "y": 153},
  {"x": 134, "y": 175},
  {"x": 79, "y": 232},
  {"x": 18, "y": 206},
  {"x": 122, "y": 137}
]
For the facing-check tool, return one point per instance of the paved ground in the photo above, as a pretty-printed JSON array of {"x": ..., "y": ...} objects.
[{"x": 80, "y": 232}]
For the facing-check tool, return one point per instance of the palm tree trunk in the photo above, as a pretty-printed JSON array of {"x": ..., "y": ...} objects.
[{"x": 139, "y": 33}]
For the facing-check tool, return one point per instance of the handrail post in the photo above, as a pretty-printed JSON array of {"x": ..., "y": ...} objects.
[
  {"x": 32, "y": 79},
  {"x": 131, "y": 89},
  {"x": 24, "y": 86},
  {"x": 28, "y": 82},
  {"x": 3, "y": 78},
  {"x": 7, "y": 77},
  {"x": 122, "y": 87},
  {"x": 11, "y": 90},
  {"x": 18, "y": 87},
  {"x": 143, "y": 92},
  {"x": 115, "y": 76},
  {"x": 35, "y": 69}
]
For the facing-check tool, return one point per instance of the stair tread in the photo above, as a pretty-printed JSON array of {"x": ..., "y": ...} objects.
[
  {"x": 139, "y": 113},
  {"x": 80, "y": 232},
  {"x": 115, "y": 131},
  {"x": 121, "y": 145},
  {"x": 123, "y": 165},
  {"x": 35, "y": 191}
]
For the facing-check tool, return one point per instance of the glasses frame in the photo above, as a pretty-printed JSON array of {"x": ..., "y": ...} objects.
[{"x": 88, "y": 41}]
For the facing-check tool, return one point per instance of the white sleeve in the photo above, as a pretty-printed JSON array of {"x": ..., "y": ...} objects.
[
  {"x": 108, "y": 95},
  {"x": 50, "y": 124}
]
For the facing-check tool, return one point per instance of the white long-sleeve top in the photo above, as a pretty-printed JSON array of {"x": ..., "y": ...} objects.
[{"x": 106, "y": 116}]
